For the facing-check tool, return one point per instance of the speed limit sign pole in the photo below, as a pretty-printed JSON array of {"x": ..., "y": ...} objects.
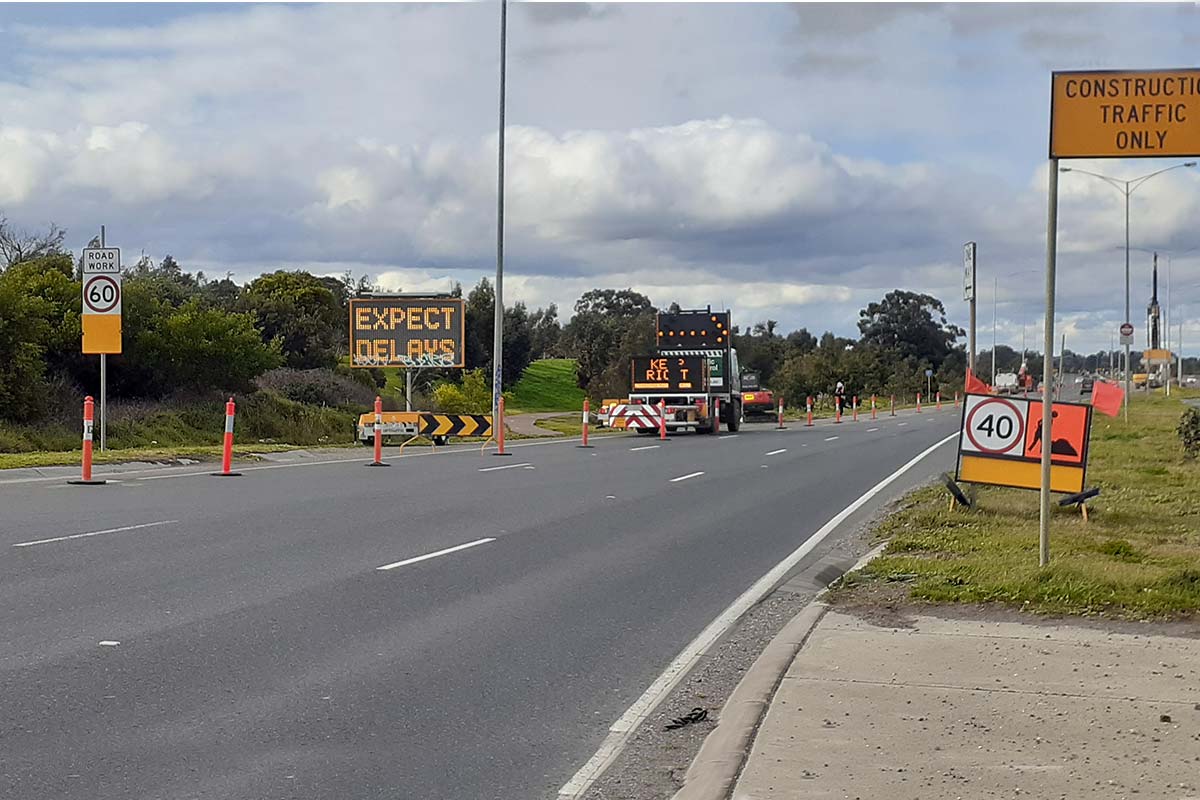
[{"x": 102, "y": 314}]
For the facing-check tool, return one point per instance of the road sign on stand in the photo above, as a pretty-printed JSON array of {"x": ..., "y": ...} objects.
[
  {"x": 1126, "y": 333},
  {"x": 1000, "y": 443},
  {"x": 406, "y": 332},
  {"x": 101, "y": 319}
]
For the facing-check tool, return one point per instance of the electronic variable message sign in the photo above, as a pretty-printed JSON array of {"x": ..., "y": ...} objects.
[
  {"x": 669, "y": 373},
  {"x": 1125, "y": 114},
  {"x": 1000, "y": 443},
  {"x": 694, "y": 330},
  {"x": 406, "y": 332}
]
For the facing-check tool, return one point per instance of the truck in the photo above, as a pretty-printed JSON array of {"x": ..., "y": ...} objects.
[
  {"x": 756, "y": 401},
  {"x": 693, "y": 372}
]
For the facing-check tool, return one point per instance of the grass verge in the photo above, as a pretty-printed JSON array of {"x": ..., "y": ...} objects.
[
  {"x": 1138, "y": 556},
  {"x": 572, "y": 425},
  {"x": 547, "y": 385}
]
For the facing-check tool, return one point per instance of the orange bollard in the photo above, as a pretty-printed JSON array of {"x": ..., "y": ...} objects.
[
  {"x": 378, "y": 430},
  {"x": 586, "y": 420},
  {"x": 89, "y": 411},
  {"x": 855, "y": 408},
  {"x": 227, "y": 453},
  {"x": 837, "y": 402},
  {"x": 780, "y": 428},
  {"x": 808, "y": 407},
  {"x": 918, "y": 402},
  {"x": 662, "y": 420},
  {"x": 873, "y": 407},
  {"x": 939, "y": 401},
  {"x": 956, "y": 399},
  {"x": 716, "y": 415}
]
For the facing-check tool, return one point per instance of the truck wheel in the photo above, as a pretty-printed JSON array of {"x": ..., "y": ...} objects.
[{"x": 735, "y": 417}]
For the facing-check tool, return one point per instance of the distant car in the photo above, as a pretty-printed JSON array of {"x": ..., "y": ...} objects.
[{"x": 1086, "y": 384}]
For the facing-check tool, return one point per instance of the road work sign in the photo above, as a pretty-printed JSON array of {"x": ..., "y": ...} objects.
[
  {"x": 101, "y": 319},
  {"x": 669, "y": 373},
  {"x": 694, "y": 330},
  {"x": 406, "y": 332},
  {"x": 1000, "y": 443},
  {"x": 1125, "y": 114}
]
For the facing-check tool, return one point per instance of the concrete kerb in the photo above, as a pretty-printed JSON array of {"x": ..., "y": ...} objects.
[{"x": 715, "y": 769}]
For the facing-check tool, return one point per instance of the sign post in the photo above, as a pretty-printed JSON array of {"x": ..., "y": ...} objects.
[
  {"x": 101, "y": 320},
  {"x": 1108, "y": 114},
  {"x": 969, "y": 296}
]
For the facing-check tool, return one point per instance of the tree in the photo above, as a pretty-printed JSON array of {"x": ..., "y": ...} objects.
[
  {"x": 545, "y": 332},
  {"x": 21, "y": 245},
  {"x": 23, "y": 332},
  {"x": 301, "y": 312},
  {"x": 608, "y": 325},
  {"x": 910, "y": 325}
]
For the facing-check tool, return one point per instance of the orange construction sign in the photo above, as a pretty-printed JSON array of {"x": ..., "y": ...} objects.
[{"x": 1000, "y": 443}]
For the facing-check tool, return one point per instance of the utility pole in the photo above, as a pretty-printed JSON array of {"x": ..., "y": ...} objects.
[
  {"x": 969, "y": 296},
  {"x": 995, "y": 288},
  {"x": 498, "y": 324},
  {"x": 103, "y": 384}
]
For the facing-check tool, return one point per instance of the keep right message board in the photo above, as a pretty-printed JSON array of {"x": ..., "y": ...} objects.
[{"x": 1000, "y": 443}]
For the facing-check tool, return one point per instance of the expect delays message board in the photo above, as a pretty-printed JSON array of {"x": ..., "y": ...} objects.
[
  {"x": 406, "y": 332},
  {"x": 1000, "y": 443}
]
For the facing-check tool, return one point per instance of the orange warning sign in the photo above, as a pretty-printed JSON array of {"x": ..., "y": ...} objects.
[{"x": 1069, "y": 430}]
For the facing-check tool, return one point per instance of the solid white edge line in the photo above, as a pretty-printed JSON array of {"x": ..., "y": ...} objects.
[
  {"x": 777, "y": 452},
  {"x": 505, "y": 466},
  {"x": 685, "y": 477},
  {"x": 621, "y": 730},
  {"x": 428, "y": 556},
  {"x": 98, "y": 533}
]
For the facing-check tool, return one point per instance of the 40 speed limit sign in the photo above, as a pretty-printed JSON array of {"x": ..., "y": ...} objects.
[
  {"x": 102, "y": 300},
  {"x": 993, "y": 425}
]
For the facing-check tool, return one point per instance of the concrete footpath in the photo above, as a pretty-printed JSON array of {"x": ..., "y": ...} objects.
[{"x": 957, "y": 708}]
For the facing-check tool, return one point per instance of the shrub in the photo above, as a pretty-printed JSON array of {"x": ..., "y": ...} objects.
[
  {"x": 473, "y": 396},
  {"x": 317, "y": 387},
  {"x": 1189, "y": 432}
]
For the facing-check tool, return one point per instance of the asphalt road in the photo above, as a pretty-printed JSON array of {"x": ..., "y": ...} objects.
[{"x": 243, "y": 642}]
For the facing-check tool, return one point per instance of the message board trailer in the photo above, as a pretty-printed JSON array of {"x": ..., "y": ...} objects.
[{"x": 407, "y": 332}]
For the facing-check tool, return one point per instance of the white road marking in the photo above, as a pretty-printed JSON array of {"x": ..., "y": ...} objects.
[
  {"x": 831, "y": 438},
  {"x": 872, "y": 430},
  {"x": 506, "y": 466},
  {"x": 685, "y": 477},
  {"x": 620, "y": 731},
  {"x": 902, "y": 424},
  {"x": 98, "y": 533},
  {"x": 729, "y": 436},
  {"x": 777, "y": 452},
  {"x": 428, "y": 556},
  {"x": 646, "y": 447},
  {"x": 109, "y": 643}
]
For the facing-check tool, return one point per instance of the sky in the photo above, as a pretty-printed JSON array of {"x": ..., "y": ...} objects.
[{"x": 789, "y": 161}]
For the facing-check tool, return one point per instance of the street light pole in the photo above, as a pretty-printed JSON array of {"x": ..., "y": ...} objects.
[
  {"x": 995, "y": 288},
  {"x": 498, "y": 323},
  {"x": 1127, "y": 188}
]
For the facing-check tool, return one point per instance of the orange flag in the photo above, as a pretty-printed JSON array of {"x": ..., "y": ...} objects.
[
  {"x": 976, "y": 386},
  {"x": 1107, "y": 397}
]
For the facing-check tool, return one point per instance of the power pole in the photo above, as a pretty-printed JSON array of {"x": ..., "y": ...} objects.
[
  {"x": 498, "y": 324},
  {"x": 969, "y": 296}
]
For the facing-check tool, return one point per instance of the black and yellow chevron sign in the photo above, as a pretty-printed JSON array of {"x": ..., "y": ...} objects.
[{"x": 455, "y": 425}]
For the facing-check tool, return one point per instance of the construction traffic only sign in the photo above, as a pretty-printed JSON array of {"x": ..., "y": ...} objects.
[
  {"x": 101, "y": 320},
  {"x": 1000, "y": 443},
  {"x": 406, "y": 332},
  {"x": 1125, "y": 114},
  {"x": 455, "y": 425}
]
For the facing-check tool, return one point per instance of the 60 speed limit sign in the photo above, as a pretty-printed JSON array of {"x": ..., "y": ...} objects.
[
  {"x": 101, "y": 295},
  {"x": 993, "y": 426}
]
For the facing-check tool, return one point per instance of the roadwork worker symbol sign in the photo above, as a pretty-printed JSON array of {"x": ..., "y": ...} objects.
[
  {"x": 1000, "y": 443},
  {"x": 406, "y": 332},
  {"x": 1125, "y": 114}
]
